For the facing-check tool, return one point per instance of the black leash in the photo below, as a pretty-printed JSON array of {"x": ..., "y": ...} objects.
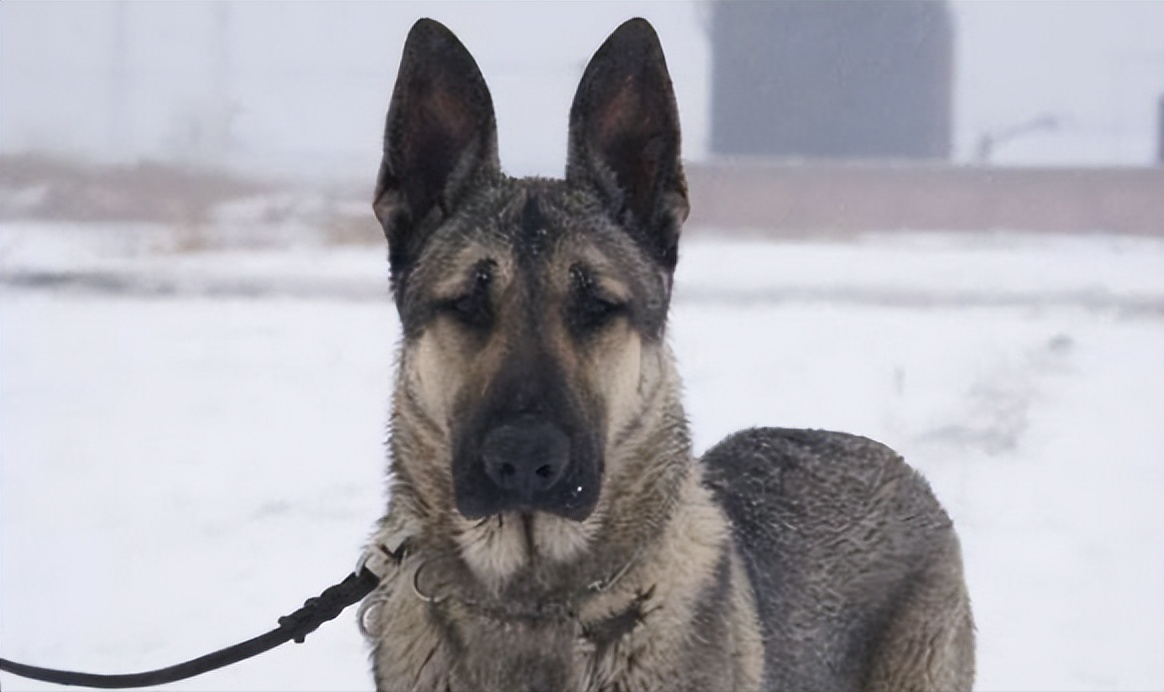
[{"x": 295, "y": 626}]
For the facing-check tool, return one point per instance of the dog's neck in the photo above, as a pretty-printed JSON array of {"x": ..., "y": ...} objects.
[
  {"x": 541, "y": 590},
  {"x": 525, "y": 599},
  {"x": 592, "y": 617},
  {"x": 533, "y": 624}
]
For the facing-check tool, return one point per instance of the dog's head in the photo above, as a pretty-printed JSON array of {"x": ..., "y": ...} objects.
[{"x": 531, "y": 309}]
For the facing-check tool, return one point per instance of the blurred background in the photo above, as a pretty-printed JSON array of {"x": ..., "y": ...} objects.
[
  {"x": 938, "y": 224},
  {"x": 298, "y": 89},
  {"x": 792, "y": 93}
]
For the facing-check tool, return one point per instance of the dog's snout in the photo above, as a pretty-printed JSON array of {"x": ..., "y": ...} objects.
[{"x": 526, "y": 459}]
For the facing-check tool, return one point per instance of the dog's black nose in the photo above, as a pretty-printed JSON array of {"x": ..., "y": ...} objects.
[{"x": 526, "y": 460}]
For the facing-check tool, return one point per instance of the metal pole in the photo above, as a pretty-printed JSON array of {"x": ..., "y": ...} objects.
[{"x": 119, "y": 86}]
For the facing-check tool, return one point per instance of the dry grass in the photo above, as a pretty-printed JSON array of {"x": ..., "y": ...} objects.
[
  {"x": 148, "y": 191},
  {"x": 346, "y": 229},
  {"x": 196, "y": 205}
]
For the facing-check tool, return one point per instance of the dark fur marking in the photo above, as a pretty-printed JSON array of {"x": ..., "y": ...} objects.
[
  {"x": 712, "y": 617},
  {"x": 605, "y": 633},
  {"x": 535, "y": 228}
]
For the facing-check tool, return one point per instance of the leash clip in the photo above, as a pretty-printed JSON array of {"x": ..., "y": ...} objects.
[{"x": 379, "y": 559}]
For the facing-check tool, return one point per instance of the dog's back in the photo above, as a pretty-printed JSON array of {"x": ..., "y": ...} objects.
[{"x": 856, "y": 568}]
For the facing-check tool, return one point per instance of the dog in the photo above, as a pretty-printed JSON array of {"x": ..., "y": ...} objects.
[{"x": 548, "y": 526}]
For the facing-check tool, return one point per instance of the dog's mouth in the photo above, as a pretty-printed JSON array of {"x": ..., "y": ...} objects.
[
  {"x": 527, "y": 532},
  {"x": 498, "y": 546}
]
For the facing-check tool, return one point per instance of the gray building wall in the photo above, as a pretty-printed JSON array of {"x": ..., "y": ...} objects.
[{"x": 832, "y": 78}]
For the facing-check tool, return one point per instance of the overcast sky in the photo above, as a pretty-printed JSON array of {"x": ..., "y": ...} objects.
[{"x": 301, "y": 88}]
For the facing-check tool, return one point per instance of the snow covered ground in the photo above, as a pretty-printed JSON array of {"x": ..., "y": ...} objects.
[{"x": 191, "y": 443}]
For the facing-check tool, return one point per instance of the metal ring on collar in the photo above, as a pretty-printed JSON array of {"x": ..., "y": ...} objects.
[{"x": 416, "y": 586}]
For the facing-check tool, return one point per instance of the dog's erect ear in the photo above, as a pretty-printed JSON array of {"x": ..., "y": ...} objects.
[
  {"x": 624, "y": 138},
  {"x": 440, "y": 139}
]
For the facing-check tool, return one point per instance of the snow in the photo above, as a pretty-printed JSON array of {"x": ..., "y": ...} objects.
[{"x": 191, "y": 443}]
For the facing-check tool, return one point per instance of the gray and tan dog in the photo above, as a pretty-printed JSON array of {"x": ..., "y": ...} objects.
[{"x": 549, "y": 527}]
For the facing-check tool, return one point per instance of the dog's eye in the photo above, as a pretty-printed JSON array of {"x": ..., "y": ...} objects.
[
  {"x": 589, "y": 308},
  {"x": 593, "y": 311},
  {"x": 473, "y": 308}
]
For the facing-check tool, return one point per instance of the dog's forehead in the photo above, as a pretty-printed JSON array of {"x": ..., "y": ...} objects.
[{"x": 533, "y": 227}]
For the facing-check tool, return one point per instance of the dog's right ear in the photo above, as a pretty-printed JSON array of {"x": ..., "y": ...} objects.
[
  {"x": 624, "y": 138},
  {"x": 440, "y": 138}
]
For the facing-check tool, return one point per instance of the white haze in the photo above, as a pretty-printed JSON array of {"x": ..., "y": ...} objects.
[{"x": 300, "y": 89}]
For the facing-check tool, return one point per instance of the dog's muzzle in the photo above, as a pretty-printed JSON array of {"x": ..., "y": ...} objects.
[{"x": 527, "y": 466}]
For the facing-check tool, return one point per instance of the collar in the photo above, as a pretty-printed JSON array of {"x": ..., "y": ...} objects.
[{"x": 382, "y": 559}]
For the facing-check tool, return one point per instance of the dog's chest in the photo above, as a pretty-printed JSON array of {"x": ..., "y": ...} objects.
[
  {"x": 455, "y": 645},
  {"x": 584, "y": 647}
]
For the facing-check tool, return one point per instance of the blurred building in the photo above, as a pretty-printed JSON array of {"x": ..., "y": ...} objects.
[{"x": 832, "y": 78}]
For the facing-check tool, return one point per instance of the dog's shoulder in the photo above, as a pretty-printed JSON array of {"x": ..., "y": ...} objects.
[
  {"x": 834, "y": 530},
  {"x": 795, "y": 476}
]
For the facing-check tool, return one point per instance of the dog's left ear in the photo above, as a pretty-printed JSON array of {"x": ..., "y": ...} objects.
[{"x": 624, "y": 138}]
